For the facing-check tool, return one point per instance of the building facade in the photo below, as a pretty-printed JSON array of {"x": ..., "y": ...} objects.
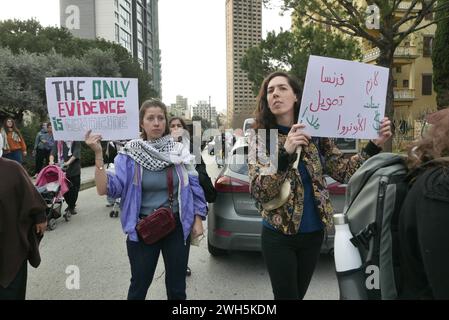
[
  {"x": 131, "y": 23},
  {"x": 243, "y": 31},
  {"x": 204, "y": 110},
  {"x": 180, "y": 108},
  {"x": 412, "y": 71}
]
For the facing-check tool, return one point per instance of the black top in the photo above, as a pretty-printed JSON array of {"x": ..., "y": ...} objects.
[{"x": 424, "y": 237}]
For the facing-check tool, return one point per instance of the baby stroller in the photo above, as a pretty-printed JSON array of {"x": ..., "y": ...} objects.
[
  {"x": 110, "y": 154},
  {"x": 52, "y": 185}
]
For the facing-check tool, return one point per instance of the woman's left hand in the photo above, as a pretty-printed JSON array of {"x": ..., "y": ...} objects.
[
  {"x": 384, "y": 132},
  {"x": 197, "y": 229}
]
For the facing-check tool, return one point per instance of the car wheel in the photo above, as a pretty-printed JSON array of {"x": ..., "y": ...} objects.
[{"x": 214, "y": 251}]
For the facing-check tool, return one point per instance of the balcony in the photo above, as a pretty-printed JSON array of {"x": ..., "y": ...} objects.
[
  {"x": 403, "y": 94},
  {"x": 404, "y": 6},
  {"x": 402, "y": 55}
]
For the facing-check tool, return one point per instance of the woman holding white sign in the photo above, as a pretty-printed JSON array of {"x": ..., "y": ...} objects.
[
  {"x": 154, "y": 175},
  {"x": 293, "y": 227}
]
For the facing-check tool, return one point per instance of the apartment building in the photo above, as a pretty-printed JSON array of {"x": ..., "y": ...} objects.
[
  {"x": 243, "y": 31},
  {"x": 130, "y": 23},
  {"x": 412, "y": 71}
]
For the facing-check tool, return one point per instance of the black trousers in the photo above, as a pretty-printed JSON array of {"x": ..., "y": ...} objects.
[
  {"x": 143, "y": 259},
  {"x": 290, "y": 260},
  {"x": 17, "y": 288},
  {"x": 42, "y": 156},
  {"x": 71, "y": 196}
]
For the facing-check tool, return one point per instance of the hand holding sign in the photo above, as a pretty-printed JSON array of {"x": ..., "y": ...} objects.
[
  {"x": 384, "y": 132},
  {"x": 296, "y": 138},
  {"x": 94, "y": 142}
]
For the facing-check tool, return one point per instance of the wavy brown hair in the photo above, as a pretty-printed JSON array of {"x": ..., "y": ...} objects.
[
  {"x": 434, "y": 144},
  {"x": 265, "y": 119},
  {"x": 152, "y": 103}
]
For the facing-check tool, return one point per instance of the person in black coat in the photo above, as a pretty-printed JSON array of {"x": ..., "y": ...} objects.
[
  {"x": 176, "y": 124},
  {"x": 424, "y": 218}
]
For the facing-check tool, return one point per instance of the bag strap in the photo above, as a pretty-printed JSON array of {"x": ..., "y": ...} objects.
[{"x": 170, "y": 185}]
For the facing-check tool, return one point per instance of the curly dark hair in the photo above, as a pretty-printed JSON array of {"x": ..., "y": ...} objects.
[{"x": 265, "y": 119}]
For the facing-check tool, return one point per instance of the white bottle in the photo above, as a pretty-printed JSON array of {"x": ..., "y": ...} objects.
[{"x": 348, "y": 264}]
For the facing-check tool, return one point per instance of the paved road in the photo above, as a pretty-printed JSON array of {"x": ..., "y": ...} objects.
[{"x": 94, "y": 243}]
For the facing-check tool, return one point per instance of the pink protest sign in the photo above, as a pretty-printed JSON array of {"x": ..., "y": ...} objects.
[
  {"x": 343, "y": 99},
  {"x": 108, "y": 106}
]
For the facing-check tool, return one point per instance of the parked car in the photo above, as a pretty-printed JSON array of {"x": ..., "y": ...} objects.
[
  {"x": 234, "y": 222},
  {"x": 247, "y": 125}
]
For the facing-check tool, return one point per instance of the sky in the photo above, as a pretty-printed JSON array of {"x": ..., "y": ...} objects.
[{"x": 192, "y": 39}]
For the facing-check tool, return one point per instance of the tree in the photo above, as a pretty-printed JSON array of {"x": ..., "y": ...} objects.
[
  {"x": 30, "y": 36},
  {"x": 20, "y": 78},
  {"x": 350, "y": 17},
  {"x": 440, "y": 60},
  {"x": 290, "y": 51}
]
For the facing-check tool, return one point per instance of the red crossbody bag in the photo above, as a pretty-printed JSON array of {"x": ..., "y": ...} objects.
[{"x": 161, "y": 222}]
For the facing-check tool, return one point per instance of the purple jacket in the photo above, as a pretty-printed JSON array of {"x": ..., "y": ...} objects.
[{"x": 126, "y": 184}]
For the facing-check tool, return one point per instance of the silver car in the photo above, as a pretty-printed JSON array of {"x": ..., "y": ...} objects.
[{"x": 234, "y": 222}]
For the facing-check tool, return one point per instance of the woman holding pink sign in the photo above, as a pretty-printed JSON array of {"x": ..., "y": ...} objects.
[{"x": 293, "y": 228}]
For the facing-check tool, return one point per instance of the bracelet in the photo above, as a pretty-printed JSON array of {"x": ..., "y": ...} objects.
[{"x": 99, "y": 159}]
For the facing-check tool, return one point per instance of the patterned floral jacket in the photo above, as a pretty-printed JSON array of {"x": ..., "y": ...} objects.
[{"x": 266, "y": 179}]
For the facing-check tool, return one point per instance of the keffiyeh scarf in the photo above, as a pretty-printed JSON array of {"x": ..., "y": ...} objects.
[{"x": 156, "y": 155}]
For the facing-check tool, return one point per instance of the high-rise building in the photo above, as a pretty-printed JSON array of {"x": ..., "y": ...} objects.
[
  {"x": 180, "y": 108},
  {"x": 243, "y": 31},
  {"x": 204, "y": 110},
  {"x": 130, "y": 23}
]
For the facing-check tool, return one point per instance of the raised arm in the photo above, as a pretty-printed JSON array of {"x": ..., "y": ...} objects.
[{"x": 101, "y": 179}]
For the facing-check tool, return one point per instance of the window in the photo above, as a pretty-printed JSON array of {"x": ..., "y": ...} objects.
[
  {"x": 117, "y": 33},
  {"x": 140, "y": 50},
  {"x": 395, "y": 83},
  {"x": 139, "y": 13},
  {"x": 139, "y": 31},
  {"x": 426, "y": 84},
  {"x": 125, "y": 39},
  {"x": 427, "y": 46},
  {"x": 405, "y": 83},
  {"x": 398, "y": 69}
]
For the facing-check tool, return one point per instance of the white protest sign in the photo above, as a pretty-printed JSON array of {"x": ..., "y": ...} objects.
[
  {"x": 108, "y": 106},
  {"x": 343, "y": 99}
]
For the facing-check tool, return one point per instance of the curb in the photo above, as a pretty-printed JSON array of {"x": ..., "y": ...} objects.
[{"x": 90, "y": 183}]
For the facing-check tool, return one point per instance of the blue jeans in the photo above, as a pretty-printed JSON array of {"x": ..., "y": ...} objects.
[
  {"x": 15, "y": 155},
  {"x": 143, "y": 259}
]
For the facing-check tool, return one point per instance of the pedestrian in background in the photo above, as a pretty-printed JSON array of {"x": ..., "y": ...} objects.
[
  {"x": 424, "y": 217},
  {"x": 178, "y": 128},
  {"x": 43, "y": 145},
  {"x": 22, "y": 225},
  {"x": 68, "y": 156},
  {"x": 14, "y": 147},
  {"x": 292, "y": 234},
  {"x": 140, "y": 180}
]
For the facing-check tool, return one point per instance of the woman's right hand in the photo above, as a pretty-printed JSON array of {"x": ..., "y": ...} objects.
[
  {"x": 93, "y": 141},
  {"x": 296, "y": 137}
]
